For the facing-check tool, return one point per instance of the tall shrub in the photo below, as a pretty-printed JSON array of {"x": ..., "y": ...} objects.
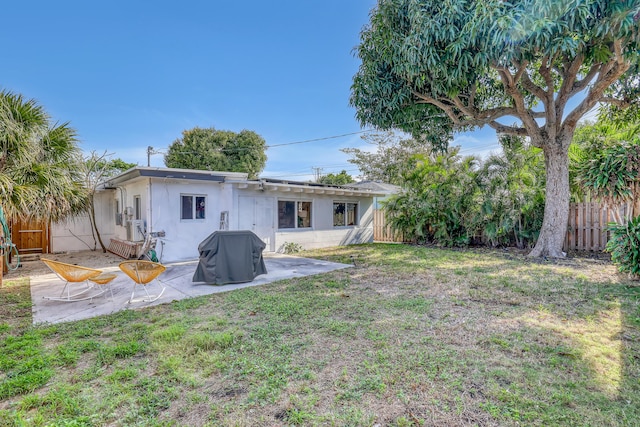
[
  {"x": 624, "y": 246},
  {"x": 512, "y": 185},
  {"x": 439, "y": 202}
]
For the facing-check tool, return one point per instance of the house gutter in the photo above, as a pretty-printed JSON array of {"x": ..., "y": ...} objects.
[{"x": 150, "y": 227}]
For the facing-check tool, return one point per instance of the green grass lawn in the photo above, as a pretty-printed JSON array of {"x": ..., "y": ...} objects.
[{"x": 410, "y": 336}]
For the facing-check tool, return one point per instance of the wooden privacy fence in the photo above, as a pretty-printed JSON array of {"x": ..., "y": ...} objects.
[
  {"x": 587, "y": 228},
  {"x": 382, "y": 231},
  {"x": 586, "y": 231}
]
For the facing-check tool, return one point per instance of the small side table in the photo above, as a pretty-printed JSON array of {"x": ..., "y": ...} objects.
[{"x": 105, "y": 279}]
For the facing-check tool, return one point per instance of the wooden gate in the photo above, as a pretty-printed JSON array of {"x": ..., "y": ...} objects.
[{"x": 30, "y": 237}]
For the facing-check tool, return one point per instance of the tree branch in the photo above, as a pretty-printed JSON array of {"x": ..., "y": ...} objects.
[
  {"x": 580, "y": 85},
  {"x": 545, "y": 72},
  {"x": 509, "y": 130},
  {"x": 620, "y": 103},
  {"x": 467, "y": 110},
  {"x": 616, "y": 67},
  {"x": 447, "y": 108},
  {"x": 471, "y": 116},
  {"x": 536, "y": 90},
  {"x": 511, "y": 89}
]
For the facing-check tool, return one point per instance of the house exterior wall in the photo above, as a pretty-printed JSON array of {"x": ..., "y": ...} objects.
[
  {"x": 322, "y": 232},
  {"x": 182, "y": 237},
  {"x": 126, "y": 195},
  {"x": 246, "y": 208},
  {"x": 75, "y": 234}
]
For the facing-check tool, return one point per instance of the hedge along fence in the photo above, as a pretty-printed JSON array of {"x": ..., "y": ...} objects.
[{"x": 586, "y": 231}]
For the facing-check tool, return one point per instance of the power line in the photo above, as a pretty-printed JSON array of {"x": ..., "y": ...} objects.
[
  {"x": 321, "y": 139},
  {"x": 163, "y": 150}
]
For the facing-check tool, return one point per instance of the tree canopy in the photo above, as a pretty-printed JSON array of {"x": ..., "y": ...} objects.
[
  {"x": 513, "y": 66},
  {"x": 393, "y": 159},
  {"x": 218, "y": 150},
  {"x": 40, "y": 162},
  {"x": 341, "y": 178}
]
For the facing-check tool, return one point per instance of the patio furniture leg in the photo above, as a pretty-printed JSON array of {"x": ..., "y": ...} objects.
[
  {"x": 69, "y": 296},
  {"x": 132, "y": 293},
  {"x": 104, "y": 279},
  {"x": 143, "y": 273}
]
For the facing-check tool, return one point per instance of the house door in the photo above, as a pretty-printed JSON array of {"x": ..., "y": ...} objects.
[
  {"x": 256, "y": 214},
  {"x": 30, "y": 237}
]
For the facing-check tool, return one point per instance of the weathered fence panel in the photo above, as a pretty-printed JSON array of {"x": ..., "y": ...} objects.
[
  {"x": 587, "y": 228},
  {"x": 382, "y": 231}
]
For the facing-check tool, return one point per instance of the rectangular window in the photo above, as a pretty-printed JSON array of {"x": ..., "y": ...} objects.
[
  {"x": 192, "y": 207},
  {"x": 345, "y": 214},
  {"x": 137, "y": 207},
  {"x": 294, "y": 214},
  {"x": 118, "y": 213}
]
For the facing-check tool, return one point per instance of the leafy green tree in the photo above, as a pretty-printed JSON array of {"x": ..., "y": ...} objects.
[
  {"x": 218, "y": 150},
  {"x": 341, "y": 178},
  {"x": 608, "y": 167},
  {"x": 109, "y": 167},
  {"x": 393, "y": 158},
  {"x": 612, "y": 175},
  {"x": 40, "y": 163},
  {"x": 439, "y": 201},
  {"x": 514, "y": 66}
]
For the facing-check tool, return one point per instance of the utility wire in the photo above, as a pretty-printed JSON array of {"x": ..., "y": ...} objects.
[{"x": 163, "y": 150}]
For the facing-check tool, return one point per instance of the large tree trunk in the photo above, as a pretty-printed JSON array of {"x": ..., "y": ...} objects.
[{"x": 556, "y": 207}]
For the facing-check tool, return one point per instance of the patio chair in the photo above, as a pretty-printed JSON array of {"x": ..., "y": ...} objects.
[
  {"x": 72, "y": 275},
  {"x": 143, "y": 273}
]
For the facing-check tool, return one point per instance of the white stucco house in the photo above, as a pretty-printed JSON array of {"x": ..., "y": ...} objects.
[{"x": 181, "y": 207}]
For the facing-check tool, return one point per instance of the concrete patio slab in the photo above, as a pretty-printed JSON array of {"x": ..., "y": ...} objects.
[{"x": 176, "y": 279}]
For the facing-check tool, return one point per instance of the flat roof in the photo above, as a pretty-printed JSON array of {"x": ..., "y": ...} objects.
[
  {"x": 239, "y": 179},
  {"x": 193, "y": 174}
]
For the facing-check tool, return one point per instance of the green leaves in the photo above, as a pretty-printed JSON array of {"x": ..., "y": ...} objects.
[
  {"x": 451, "y": 200},
  {"x": 624, "y": 246},
  {"x": 218, "y": 150},
  {"x": 439, "y": 200},
  {"x": 341, "y": 178},
  {"x": 612, "y": 172},
  {"x": 417, "y": 52},
  {"x": 39, "y": 162}
]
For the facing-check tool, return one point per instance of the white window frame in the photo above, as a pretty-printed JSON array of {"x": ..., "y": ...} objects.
[
  {"x": 118, "y": 215},
  {"x": 194, "y": 208},
  {"x": 345, "y": 203},
  {"x": 296, "y": 209},
  {"x": 137, "y": 207}
]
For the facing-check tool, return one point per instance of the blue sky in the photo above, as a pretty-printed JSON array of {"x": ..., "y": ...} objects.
[{"x": 133, "y": 74}]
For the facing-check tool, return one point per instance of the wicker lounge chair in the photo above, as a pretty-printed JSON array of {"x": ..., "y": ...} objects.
[{"x": 143, "y": 273}]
